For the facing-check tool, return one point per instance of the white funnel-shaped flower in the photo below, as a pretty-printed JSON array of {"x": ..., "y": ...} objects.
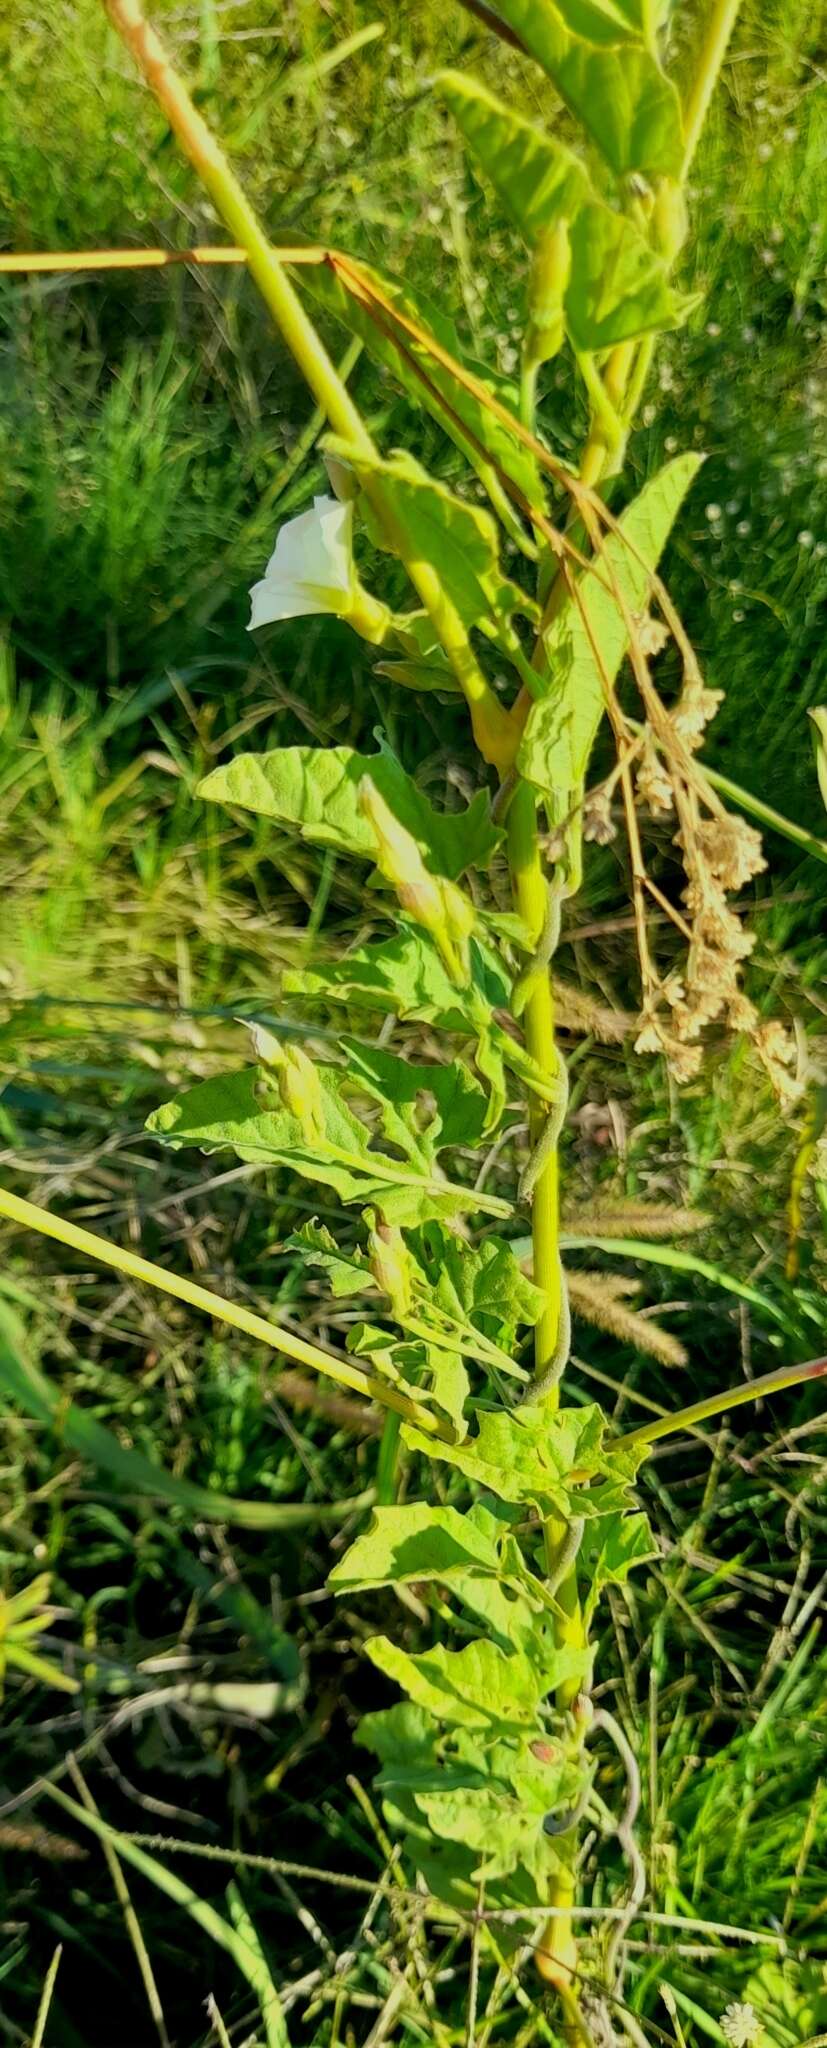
[{"x": 311, "y": 567}]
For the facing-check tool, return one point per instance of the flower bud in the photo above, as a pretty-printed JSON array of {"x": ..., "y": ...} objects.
[
  {"x": 438, "y": 905},
  {"x": 669, "y": 221},
  {"x": 390, "y": 1265},
  {"x": 295, "y": 1079},
  {"x": 547, "y": 286}
]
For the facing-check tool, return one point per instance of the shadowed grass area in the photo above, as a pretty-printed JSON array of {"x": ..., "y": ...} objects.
[{"x": 151, "y": 438}]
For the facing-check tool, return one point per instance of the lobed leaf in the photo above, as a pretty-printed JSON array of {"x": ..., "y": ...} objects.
[
  {"x": 526, "y": 1455},
  {"x": 419, "y": 1542},
  {"x": 406, "y": 976},
  {"x": 339, "y": 1151},
  {"x": 537, "y": 179},
  {"x": 316, "y": 790},
  {"x": 479, "y": 1686}
]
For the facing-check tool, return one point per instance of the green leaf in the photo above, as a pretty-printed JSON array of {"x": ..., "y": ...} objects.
[
  {"x": 526, "y": 1455},
  {"x": 610, "y": 1549},
  {"x": 419, "y": 1542},
  {"x": 483, "y": 439},
  {"x": 479, "y": 1285},
  {"x": 316, "y": 790},
  {"x": 617, "y": 288},
  {"x": 618, "y": 90},
  {"x": 406, "y": 977},
  {"x": 478, "y": 1687},
  {"x": 562, "y": 724},
  {"x": 457, "y": 1114},
  {"x": 472, "y": 1556},
  {"x": 537, "y": 179},
  {"x": 244, "y": 1111},
  {"x": 348, "y": 1272},
  {"x": 458, "y": 538}
]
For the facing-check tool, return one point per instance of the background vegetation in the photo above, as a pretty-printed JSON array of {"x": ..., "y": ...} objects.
[{"x": 152, "y": 435}]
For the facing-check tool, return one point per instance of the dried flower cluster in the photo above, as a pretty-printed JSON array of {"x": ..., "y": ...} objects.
[{"x": 720, "y": 855}]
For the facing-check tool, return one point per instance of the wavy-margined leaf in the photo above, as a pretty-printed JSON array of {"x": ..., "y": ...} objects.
[
  {"x": 527, "y": 1455},
  {"x": 406, "y": 977},
  {"x": 562, "y": 724},
  {"x": 418, "y": 1542},
  {"x": 481, "y": 1285},
  {"x": 471, "y": 1304},
  {"x": 479, "y": 1686},
  {"x": 459, "y": 539},
  {"x": 610, "y": 1549},
  {"x": 488, "y": 1801},
  {"x": 316, "y": 790},
  {"x": 482, "y": 438},
  {"x": 615, "y": 87},
  {"x": 337, "y": 1148},
  {"x": 617, "y": 287}
]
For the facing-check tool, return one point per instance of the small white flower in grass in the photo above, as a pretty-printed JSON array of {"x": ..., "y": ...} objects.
[
  {"x": 741, "y": 2026},
  {"x": 310, "y": 568}
]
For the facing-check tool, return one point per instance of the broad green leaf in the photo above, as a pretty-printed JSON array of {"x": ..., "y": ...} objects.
[
  {"x": 478, "y": 1687},
  {"x": 406, "y": 977},
  {"x": 562, "y": 724},
  {"x": 610, "y": 1549},
  {"x": 244, "y": 1111},
  {"x": 458, "y": 538},
  {"x": 402, "y": 1088},
  {"x": 316, "y": 790},
  {"x": 419, "y": 1542},
  {"x": 537, "y": 179},
  {"x": 472, "y": 1556},
  {"x": 483, "y": 439},
  {"x": 482, "y": 1285},
  {"x": 526, "y": 1455},
  {"x": 617, "y": 288},
  {"x": 618, "y": 90}
]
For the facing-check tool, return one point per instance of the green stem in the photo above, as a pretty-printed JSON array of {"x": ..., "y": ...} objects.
[
  {"x": 531, "y": 898},
  {"x": 732, "y": 1397},
  {"x": 98, "y": 1248},
  {"x": 491, "y": 724}
]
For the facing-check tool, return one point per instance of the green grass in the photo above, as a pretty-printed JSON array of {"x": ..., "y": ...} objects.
[{"x": 148, "y": 431}]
